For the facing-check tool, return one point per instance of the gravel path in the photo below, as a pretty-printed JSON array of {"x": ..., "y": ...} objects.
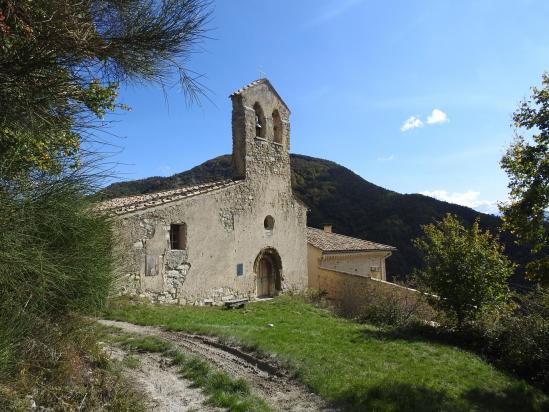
[
  {"x": 268, "y": 380},
  {"x": 164, "y": 391}
]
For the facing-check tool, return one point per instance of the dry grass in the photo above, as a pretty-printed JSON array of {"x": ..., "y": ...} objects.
[{"x": 75, "y": 375}]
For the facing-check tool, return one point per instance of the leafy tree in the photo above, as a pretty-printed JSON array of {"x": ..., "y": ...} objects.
[
  {"x": 465, "y": 269},
  {"x": 527, "y": 165},
  {"x": 61, "y": 62}
]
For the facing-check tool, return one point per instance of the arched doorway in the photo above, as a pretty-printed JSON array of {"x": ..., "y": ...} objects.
[{"x": 268, "y": 268}]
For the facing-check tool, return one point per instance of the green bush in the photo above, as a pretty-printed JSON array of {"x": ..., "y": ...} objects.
[
  {"x": 464, "y": 270},
  {"x": 315, "y": 296},
  {"x": 55, "y": 258},
  {"x": 391, "y": 308},
  {"x": 519, "y": 340}
]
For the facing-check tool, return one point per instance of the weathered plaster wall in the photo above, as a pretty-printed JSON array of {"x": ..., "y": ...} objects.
[
  {"x": 313, "y": 261},
  {"x": 358, "y": 264},
  {"x": 225, "y": 227},
  {"x": 352, "y": 263},
  {"x": 352, "y": 290}
]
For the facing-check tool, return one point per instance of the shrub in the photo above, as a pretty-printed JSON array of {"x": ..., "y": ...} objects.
[
  {"x": 464, "y": 269},
  {"x": 55, "y": 258},
  {"x": 519, "y": 340},
  {"x": 384, "y": 304},
  {"x": 390, "y": 309},
  {"x": 315, "y": 296}
]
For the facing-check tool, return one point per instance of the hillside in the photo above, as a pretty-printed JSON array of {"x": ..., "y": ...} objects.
[{"x": 336, "y": 195}]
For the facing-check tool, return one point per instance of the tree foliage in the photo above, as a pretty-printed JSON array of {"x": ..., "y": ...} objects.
[
  {"x": 520, "y": 338},
  {"x": 465, "y": 269},
  {"x": 527, "y": 165},
  {"x": 61, "y": 62}
]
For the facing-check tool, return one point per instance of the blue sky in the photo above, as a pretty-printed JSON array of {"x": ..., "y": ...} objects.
[{"x": 354, "y": 72}]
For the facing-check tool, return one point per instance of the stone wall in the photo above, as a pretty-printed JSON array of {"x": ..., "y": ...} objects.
[
  {"x": 370, "y": 264},
  {"x": 255, "y": 156},
  {"x": 351, "y": 263},
  {"x": 351, "y": 292},
  {"x": 225, "y": 227}
]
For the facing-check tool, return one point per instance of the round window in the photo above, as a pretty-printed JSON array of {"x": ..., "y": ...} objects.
[{"x": 269, "y": 222}]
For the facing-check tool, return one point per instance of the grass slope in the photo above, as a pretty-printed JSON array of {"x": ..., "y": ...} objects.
[
  {"x": 355, "y": 366},
  {"x": 353, "y": 205}
]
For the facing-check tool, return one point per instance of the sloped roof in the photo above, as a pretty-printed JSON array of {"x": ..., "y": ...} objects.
[
  {"x": 333, "y": 242},
  {"x": 256, "y": 83},
  {"x": 122, "y": 205},
  {"x": 249, "y": 85}
]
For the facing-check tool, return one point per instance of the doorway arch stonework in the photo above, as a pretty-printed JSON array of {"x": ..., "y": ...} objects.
[{"x": 268, "y": 271}]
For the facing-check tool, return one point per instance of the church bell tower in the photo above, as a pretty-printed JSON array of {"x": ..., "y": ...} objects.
[{"x": 261, "y": 133}]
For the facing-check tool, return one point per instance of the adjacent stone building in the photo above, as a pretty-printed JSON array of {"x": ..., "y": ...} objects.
[
  {"x": 334, "y": 260},
  {"x": 219, "y": 241}
]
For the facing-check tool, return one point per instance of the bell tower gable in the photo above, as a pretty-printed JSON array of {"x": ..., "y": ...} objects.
[{"x": 261, "y": 133}]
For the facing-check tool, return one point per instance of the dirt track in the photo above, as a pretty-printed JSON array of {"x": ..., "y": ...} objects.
[
  {"x": 268, "y": 380},
  {"x": 160, "y": 384}
]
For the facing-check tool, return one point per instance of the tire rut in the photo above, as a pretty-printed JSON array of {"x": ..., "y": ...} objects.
[{"x": 267, "y": 379}]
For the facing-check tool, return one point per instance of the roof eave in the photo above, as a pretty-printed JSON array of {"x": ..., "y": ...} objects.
[
  {"x": 257, "y": 83},
  {"x": 357, "y": 251}
]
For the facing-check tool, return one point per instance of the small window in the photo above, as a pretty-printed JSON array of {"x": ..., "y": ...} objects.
[
  {"x": 269, "y": 223},
  {"x": 239, "y": 269},
  {"x": 259, "y": 121},
  {"x": 178, "y": 236}
]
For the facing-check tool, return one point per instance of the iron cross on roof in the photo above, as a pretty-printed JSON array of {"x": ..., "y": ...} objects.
[{"x": 262, "y": 74}]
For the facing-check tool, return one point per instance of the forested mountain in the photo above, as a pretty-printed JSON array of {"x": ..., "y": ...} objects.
[{"x": 353, "y": 205}]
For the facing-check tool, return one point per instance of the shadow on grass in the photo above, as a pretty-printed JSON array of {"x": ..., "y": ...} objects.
[
  {"x": 391, "y": 396},
  {"x": 468, "y": 340},
  {"x": 519, "y": 397},
  {"x": 420, "y": 333}
]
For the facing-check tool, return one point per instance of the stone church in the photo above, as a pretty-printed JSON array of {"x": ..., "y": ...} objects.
[{"x": 213, "y": 242}]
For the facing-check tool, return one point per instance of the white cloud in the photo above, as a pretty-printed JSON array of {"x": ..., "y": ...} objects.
[
  {"x": 412, "y": 123},
  {"x": 386, "y": 159},
  {"x": 470, "y": 198},
  {"x": 437, "y": 117}
]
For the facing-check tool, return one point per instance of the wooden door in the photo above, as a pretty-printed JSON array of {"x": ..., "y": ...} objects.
[{"x": 264, "y": 278}]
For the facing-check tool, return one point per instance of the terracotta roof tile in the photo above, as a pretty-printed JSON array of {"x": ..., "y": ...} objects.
[
  {"x": 333, "y": 242},
  {"x": 122, "y": 205}
]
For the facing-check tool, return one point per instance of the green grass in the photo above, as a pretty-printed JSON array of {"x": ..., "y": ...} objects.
[
  {"x": 131, "y": 361},
  {"x": 221, "y": 389},
  {"x": 355, "y": 366}
]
